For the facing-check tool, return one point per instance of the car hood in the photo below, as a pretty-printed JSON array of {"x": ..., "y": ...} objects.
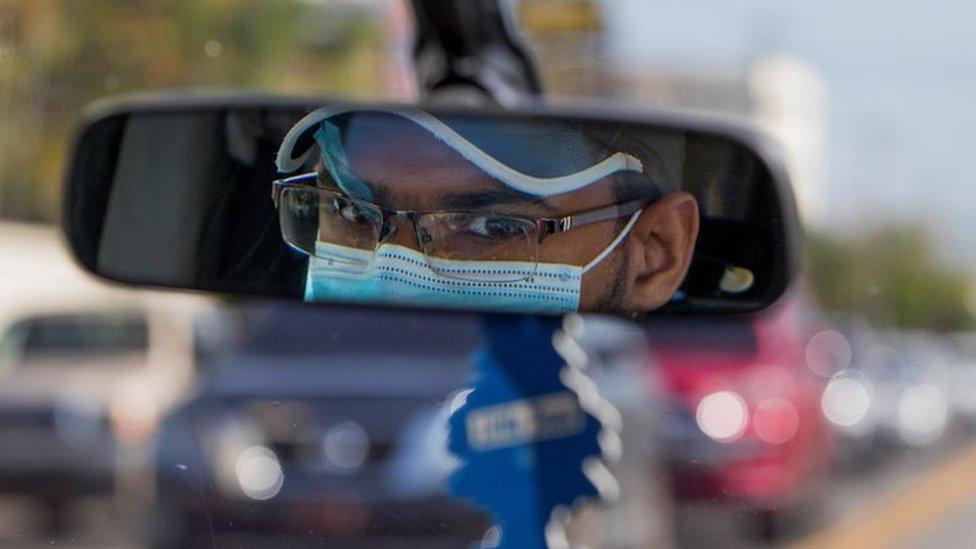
[{"x": 44, "y": 382}]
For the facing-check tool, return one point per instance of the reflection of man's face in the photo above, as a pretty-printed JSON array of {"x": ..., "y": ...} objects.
[{"x": 404, "y": 167}]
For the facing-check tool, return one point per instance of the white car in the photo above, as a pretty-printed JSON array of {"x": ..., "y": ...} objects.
[{"x": 86, "y": 371}]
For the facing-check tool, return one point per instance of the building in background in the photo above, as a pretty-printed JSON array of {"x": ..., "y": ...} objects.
[{"x": 788, "y": 99}]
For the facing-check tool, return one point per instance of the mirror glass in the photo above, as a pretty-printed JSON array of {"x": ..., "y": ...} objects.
[{"x": 521, "y": 212}]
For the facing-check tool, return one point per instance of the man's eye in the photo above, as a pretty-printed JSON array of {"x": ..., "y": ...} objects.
[
  {"x": 350, "y": 211},
  {"x": 353, "y": 214},
  {"x": 495, "y": 227}
]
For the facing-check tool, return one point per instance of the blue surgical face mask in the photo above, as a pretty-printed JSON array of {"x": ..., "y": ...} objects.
[{"x": 397, "y": 275}]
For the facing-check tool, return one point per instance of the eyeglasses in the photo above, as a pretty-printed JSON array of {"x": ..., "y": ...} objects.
[{"x": 310, "y": 216}]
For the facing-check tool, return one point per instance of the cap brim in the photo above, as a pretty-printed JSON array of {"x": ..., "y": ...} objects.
[{"x": 298, "y": 148}]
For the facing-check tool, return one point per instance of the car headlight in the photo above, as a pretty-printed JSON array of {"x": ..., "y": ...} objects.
[
  {"x": 236, "y": 448},
  {"x": 846, "y": 401},
  {"x": 722, "y": 416},
  {"x": 776, "y": 420},
  {"x": 345, "y": 448},
  {"x": 922, "y": 414},
  {"x": 259, "y": 473}
]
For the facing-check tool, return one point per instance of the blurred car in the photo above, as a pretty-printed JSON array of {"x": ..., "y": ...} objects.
[
  {"x": 894, "y": 395},
  {"x": 745, "y": 426},
  {"x": 320, "y": 426},
  {"x": 85, "y": 373}
]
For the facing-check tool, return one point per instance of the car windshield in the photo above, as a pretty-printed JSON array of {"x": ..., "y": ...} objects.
[
  {"x": 80, "y": 335},
  {"x": 842, "y": 416}
]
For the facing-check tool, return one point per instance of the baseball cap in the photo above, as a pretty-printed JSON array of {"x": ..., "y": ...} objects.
[{"x": 539, "y": 157}]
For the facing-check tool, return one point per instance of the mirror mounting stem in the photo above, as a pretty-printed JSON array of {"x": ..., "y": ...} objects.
[{"x": 467, "y": 52}]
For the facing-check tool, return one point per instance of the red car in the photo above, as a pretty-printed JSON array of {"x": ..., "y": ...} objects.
[{"x": 744, "y": 423}]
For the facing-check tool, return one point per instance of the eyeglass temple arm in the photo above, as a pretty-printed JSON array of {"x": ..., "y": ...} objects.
[
  {"x": 276, "y": 187},
  {"x": 608, "y": 213}
]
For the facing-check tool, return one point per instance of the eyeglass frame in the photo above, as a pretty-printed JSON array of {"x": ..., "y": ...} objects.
[{"x": 546, "y": 226}]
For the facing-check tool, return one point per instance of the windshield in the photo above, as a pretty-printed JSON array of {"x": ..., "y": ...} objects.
[
  {"x": 842, "y": 416},
  {"x": 79, "y": 335}
]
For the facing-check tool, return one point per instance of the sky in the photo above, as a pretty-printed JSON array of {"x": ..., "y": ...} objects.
[{"x": 900, "y": 83}]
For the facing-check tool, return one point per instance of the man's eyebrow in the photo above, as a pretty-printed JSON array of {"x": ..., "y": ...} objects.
[
  {"x": 380, "y": 195},
  {"x": 479, "y": 200}
]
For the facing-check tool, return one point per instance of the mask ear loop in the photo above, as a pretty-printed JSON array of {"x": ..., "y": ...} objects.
[{"x": 616, "y": 242}]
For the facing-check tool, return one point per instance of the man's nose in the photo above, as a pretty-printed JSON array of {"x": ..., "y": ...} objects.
[{"x": 400, "y": 231}]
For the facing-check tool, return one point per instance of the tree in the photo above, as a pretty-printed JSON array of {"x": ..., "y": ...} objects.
[
  {"x": 56, "y": 56},
  {"x": 891, "y": 277}
]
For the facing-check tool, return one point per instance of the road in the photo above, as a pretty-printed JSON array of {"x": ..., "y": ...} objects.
[
  {"x": 927, "y": 499},
  {"x": 924, "y": 498},
  {"x": 916, "y": 499}
]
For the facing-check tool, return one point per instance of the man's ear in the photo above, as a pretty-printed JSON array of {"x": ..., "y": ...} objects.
[{"x": 662, "y": 245}]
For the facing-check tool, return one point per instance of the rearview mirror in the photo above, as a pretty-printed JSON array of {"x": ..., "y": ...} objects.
[{"x": 542, "y": 210}]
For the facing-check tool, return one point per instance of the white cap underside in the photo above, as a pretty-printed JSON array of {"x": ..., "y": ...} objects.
[{"x": 536, "y": 186}]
